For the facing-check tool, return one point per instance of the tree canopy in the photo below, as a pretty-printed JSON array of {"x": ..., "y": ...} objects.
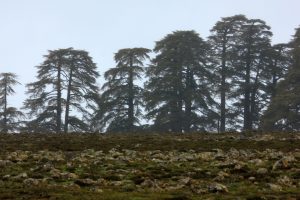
[
  {"x": 235, "y": 80},
  {"x": 64, "y": 71},
  {"x": 121, "y": 100},
  {"x": 9, "y": 116},
  {"x": 177, "y": 94},
  {"x": 284, "y": 110}
]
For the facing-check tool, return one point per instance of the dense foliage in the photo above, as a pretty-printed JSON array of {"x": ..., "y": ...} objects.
[
  {"x": 177, "y": 93},
  {"x": 9, "y": 116},
  {"x": 121, "y": 101},
  {"x": 66, "y": 72},
  {"x": 284, "y": 110},
  {"x": 234, "y": 80}
]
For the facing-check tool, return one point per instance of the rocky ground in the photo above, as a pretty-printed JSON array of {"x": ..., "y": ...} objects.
[{"x": 152, "y": 166}]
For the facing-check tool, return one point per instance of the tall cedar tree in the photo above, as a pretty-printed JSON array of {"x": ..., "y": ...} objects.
[
  {"x": 63, "y": 71},
  {"x": 81, "y": 88},
  {"x": 177, "y": 94},
  {"x": 284, "y": 110},
  {"x": 121, "y": 99},
  {"x": 223, "y": 40},
  {"x": 9, "y": 116},
  {"x": 45, "y": 95},
  {"x": 252, "y": 49}
]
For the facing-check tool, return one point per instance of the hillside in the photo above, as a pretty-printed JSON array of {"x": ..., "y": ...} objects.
[{"x": 150, "y": 166}]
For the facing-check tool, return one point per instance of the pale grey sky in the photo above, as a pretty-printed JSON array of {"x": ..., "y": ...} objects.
[{"x": 28, "y": 28}]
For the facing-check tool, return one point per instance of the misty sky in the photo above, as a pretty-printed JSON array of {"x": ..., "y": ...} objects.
[{"x": 31, "y": 27}]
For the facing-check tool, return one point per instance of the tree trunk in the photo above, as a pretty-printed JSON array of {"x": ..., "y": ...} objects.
[
  {"x": 180, "y": 99},
  {"x": 223, "y": 89},
  {"x": 274, "y": 79},
  {"x": 175, "y": 124},
  {"x": 58, "y": 109},
  {"x": 130, "y": 97},
  {"x": 253, "y": 106},
  {"x": 66, "y": 126},
  {"x": 254, "y": 90},
  {"x": 176, "y": 105},
  {"x": 5, "y": 129},
  {"x": 247, "y": 114},
  {"x": 188, "y": 102}
]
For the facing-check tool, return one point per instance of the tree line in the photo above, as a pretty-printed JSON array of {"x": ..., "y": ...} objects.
[{"x": 234, "y": 80}]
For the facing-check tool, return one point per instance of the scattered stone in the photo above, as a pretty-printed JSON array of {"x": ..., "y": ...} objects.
[
  {"x": 102, "y": 182},
  {"x": 47, "y": 167},
  {"x": 233, "y": 153},
  {"x": 224, "y": 174},
  {"x": 221, "y": 176},
  {"x": 96, "y": 189},
  {"x": 285, "y": 181},
  {"x": 85, "y": 182},
  {"x": 4, "y": 163},
  {"x": 31, "y": 182},
  {"x": 174, "y": 187},
  {"x": 257, "y": 162},
  {"x": 55, "y": 173},
  {"x": 206, "y": 156},
  {"x": 199, "y": 190},
  {"x": 297, "y": 155},
  {"x": 241, "y": 166},
  {"x": 217, "y": 187},
  {"x": 283, "y": 163},
  {"x": 21, "y": 176},
  {"x": 265, "y": 138},
  {"x": 272, "y": 154},
  {"x": 18, "y": 156},
  {"x": 147, "y": 183},
  {"x": 274, "y": 187},
  {"x": 262, "y": 171},
  {"x": 155, "y": 171},
  {"x": 185, "y": 181},
  {"x": 220, "y": 155},
  {"x": 226, "y": 164},
  {"x": 72, "y": 176},
  {"x": 6, "y": 177}
]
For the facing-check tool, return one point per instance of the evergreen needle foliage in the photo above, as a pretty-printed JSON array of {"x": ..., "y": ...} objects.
[
  {"x": 121, "y": 100},
  {"x": 65, "y": 72},
  {"x": 9, "y": 116},
  {"x": 284, "y": 110}
]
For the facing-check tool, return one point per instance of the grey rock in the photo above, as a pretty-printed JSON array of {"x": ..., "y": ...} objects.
[
  {"x": 31, "y": 181},
  {"x": 217, "y": 187},
  {"x": 262, "y": 171},
  {"x": 274, "y": 187}
]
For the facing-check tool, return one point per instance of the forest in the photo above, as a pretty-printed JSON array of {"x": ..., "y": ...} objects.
[{"x": 234, "y": 80}]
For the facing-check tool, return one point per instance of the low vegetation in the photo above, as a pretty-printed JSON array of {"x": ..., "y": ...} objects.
[{"x": 150, "y": 166}]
